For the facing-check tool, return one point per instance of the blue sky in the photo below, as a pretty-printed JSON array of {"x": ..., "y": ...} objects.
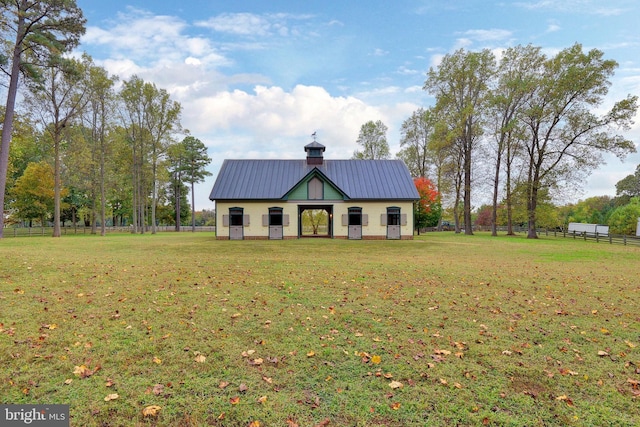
[{"x": 257, "y": 78}]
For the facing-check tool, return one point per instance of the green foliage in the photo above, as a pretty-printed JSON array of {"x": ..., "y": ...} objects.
[
  {"x": 624, "y": 219},
  {"x": 33, "y": 195},
  {"x": 629, "y": 186},
  {"x": 373, "y": 139},
  {"x": 594, "y": 210},
  {"x": 417, "y": 132},
  {"x": 35, "y": 32}
]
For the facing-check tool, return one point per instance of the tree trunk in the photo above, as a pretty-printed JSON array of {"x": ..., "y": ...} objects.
[
  {"x": 7, "y": 126},
  {"x": 468, "y": 225},
  {"x": 496, "y": 184},
  {"x": 103, "y": 197},
  {"x": 178, "y": 196},
  {"x": 193, "y": 209},
  {"x": 56, "y": 183}
]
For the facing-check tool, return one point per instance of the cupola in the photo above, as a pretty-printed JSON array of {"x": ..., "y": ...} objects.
[{"x": 314, "y": 152}]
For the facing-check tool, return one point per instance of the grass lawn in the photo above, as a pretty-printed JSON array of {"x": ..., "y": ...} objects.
[{"x": 183, "y": 330}]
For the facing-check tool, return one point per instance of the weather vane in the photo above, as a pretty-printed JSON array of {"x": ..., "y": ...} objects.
[{"x": 314, "y": 135}]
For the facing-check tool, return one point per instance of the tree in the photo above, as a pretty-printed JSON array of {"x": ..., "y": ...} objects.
[
  {"x": 566, "y": 138},
  {"x": 593, "y": 210},
  {"x": 460, "y": 85},
  {"x": 162, "y": 120},
  {"x": 624, "y": 220},
  {"x": 57, "y": 100},
  {"x": 514, "y": 84},
  {"x": 35, "y": 30},
  {"x": 373, "y": 139},
  {"x": 33, "y": 192},
  {"x": 177, "y": 190},
  {"x": 427, "y": 210},
  {"x": 98, "y": 117},
  {"x": 195, "y": 162},
  {"x": 629, "y": 186},
  {"x": 151, "y": 119},
  {"x": 417, "y": 132}
]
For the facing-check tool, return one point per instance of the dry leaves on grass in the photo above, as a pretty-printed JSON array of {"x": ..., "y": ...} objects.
[
  {"x": 151, "y": 411},
  {"x": 84, "y": 372}
]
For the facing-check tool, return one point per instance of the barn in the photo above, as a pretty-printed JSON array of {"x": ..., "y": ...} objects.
[{"x": 314, "y": 197}]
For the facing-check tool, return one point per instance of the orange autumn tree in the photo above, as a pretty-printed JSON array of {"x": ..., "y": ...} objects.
[{"x": 428, "y": 209}]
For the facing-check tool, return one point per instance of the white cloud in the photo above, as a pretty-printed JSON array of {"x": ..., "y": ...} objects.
[
  {"x": 552, "y": 28},
  {"x": 254, "y": 25},
  {"x": 151, "y": 40},
  {"x": 487, "y": 35},
  {"x": 245, "y": 24}
]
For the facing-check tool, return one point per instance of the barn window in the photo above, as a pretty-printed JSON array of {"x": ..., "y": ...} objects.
[
  {"x": 275, "y": 216},
  {"x": 315, "y": 189},
  {"x": 235, "y": 217},
  {"x": 393, "y": 216}
]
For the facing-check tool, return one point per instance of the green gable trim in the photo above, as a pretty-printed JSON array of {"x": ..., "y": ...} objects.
[{"x": 330, "y": 190}]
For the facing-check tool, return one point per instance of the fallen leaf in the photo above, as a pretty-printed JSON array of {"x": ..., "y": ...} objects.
[
  {"x": 157, "y": 360},
  {"x": 376, "y": 360},
  {"x": 112, "y": 396},
  {"x": 234, "y": 400},
  {"x": 223, "y": 384},
  {"x": 151, "y": 411},
  {"x": 291, "y": 423},
  {"x": 395, "y": 384},
  {"x": 200, "y": 358},
  {"x": 602, "y": 353},
  {"x": 158, "y": 389},
  {"x": 262, "y": 399},
  {"x": 267, "y": 380},
  {"x": 82, "y": 371},
  {"x": 254, "y": 424},
  {"x": 395, "y": 406},
  {"x": 68, "y": 381},
  {"x": 242, "y": 388},
  {"x": 311, "y": 353}
]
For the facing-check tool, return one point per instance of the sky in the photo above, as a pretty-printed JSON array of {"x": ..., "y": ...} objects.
[{"x": 257, "y": 78}]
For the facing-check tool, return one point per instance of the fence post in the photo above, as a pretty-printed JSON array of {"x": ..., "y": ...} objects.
[{"x": 624, "y": 239}]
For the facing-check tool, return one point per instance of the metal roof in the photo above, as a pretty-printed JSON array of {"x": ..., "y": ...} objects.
[{"x": 273, "y": 179}]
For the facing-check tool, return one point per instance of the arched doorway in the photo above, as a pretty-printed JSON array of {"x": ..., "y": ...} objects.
[{"x": 315, "y": 221}]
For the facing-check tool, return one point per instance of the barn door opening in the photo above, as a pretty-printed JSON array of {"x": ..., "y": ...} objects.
[
  {"x": 315, "y": 221},
  {"x": 393, "y": 223},
  {"x": 355, "y": 223},
  {"x": 276, "y": 221},
  {"x": 236, "y": 224}
]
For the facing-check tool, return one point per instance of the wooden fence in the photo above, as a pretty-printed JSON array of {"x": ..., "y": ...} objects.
[
  {"x": 613, "y": 239},
  {"x": 48, "y": 231}
]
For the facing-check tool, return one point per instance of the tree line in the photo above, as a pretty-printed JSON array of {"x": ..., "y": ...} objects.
[
  {"x": 79, "y": 147},
  {"x": 523, "y": 128}
]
